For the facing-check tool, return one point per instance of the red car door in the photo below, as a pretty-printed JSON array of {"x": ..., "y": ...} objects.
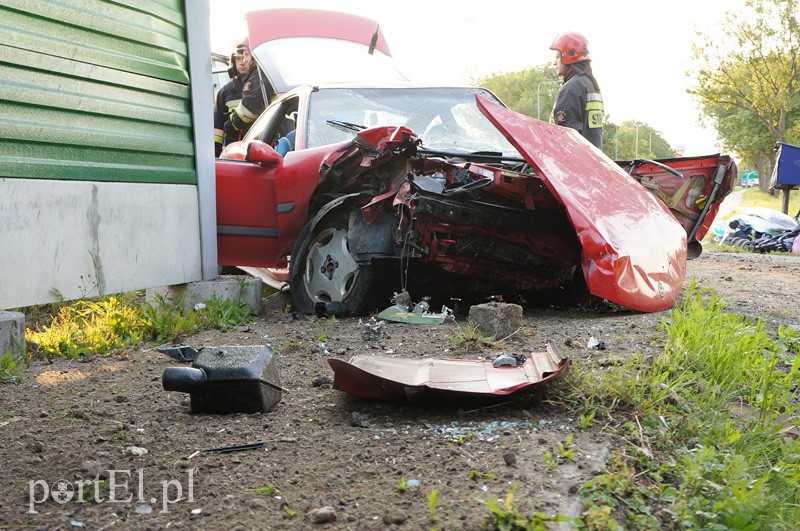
[{"x": 247, "y": 217}]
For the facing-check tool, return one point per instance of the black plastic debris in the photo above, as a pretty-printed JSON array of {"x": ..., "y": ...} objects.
[
  {"x": 231, "y": 379},
  {"x": 179, "y": 352},
  {"x": 237, "y": 448}
]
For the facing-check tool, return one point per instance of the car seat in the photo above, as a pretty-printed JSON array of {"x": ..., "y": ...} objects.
[{"x": 285, "y": 144}]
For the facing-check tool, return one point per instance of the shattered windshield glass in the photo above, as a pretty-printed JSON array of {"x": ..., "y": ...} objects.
[{"x": 447, "y": 119}]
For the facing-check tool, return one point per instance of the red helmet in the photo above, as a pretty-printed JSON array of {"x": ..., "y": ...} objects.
[{"x": 572, "y": 46}]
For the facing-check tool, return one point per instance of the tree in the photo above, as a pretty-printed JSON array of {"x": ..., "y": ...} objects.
[
  {"x": 533, "y": 92},
  {"x": 633, "y": 139},
  {"x": 748, "y": 81}
]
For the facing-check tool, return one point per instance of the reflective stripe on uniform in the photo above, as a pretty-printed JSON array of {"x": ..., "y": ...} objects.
[
  {"x": 245, "y": 115},
  {"x": 594, "y": 110},
  {"x": 219, "y": 136}
]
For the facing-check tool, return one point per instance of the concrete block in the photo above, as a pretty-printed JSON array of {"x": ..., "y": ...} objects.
[
  {"x": 12, "y": 333},
  {"x": 496, "y": 319},
  {"x": 228, "y": 286}
]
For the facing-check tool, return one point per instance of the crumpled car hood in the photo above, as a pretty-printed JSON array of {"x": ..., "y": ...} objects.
[{"x": 633, "y": 249}]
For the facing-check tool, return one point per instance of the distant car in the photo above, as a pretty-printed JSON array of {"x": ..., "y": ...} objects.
[{"x": 364, "y": 189}]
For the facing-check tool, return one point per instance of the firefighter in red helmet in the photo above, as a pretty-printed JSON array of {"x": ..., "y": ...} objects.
[
  {"x": 579, "y": 104},
  {"x": 241, "y": 100}
]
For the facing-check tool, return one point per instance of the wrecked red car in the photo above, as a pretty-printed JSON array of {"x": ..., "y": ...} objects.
[{"x": 372, "y": 188}]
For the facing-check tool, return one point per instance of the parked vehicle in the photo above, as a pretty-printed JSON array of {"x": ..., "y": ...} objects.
[{"x": 444, "y": 192}]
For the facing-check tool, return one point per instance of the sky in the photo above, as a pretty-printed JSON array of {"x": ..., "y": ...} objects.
[{"x": 641, "y": 51}]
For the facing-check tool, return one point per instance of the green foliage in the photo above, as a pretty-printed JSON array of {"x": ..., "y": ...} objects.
[
  {"x": 11, "y": 367},
  {"x": 531, "y": 92},
  {"x": 169, "y": 320},
  {"x": 633, "y": 139},
  {"x": 470, "y": 337},
  {"x": 476, "y": 475},
  {"x": 112, "y": 323},
  {"x": 705, "y": 437},
  {"x": 566, "y": 450},
  {"x": 402, "y": 486},
  {"x": 506, "y": 516},
  {"x": 99, "y": 326},
  {"x": 223, "y": 313},
  {"x": 267, "y": 489},
  {"x": 433, "y": 502},
  {"x": 748, "y": 79}
]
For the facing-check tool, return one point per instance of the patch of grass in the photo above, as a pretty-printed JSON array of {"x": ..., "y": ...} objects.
[
  {"x": 168, "y": 319},
  {"x": 566, "y": 450},
  {"x": 106, "y": 325},
  {"x": 506, "y": 516},
  {"x": 754, "y": 197},
  {"x": 476, "y": 475},
  {"x": 703, "y": 424},
  {"x": 470, "y": 337},
  {"x": 11, "y": 367},
  {"x": 97, "y": 326},
  {"x": 223, "y": 313},
  {"x": 121, "y": 435},
  {"x": 267, "y": 489},
  {"x": 433, "y": 502},
  {"x": 402, "y": 486}
]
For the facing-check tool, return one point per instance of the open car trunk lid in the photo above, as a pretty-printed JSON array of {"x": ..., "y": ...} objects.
[
  {"x": 310, "y": 46},
  {"x": 633, "y": 249}
]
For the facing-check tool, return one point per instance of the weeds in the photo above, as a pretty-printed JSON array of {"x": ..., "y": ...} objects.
[
  {"x": 223, "y": 313},
  {"x": 470, "y": 338},
  {"x": 705, "y": 447},
  {"x": 268, "y": 489},
  {"x": 11, "y": 367},
  {"x": 402, "y": 486},
  {"x": 433, "y": 502},
  {"x": 169, "y": 320},
  {"x": 113, "y": 323},
  {"x": 92, "y": 326},
  {"x": 506, "y": 517}
]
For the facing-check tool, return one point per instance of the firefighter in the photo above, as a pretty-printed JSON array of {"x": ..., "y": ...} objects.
[
  {"x": 579, "y": 104},
  {"x": 241, "y": 100}
]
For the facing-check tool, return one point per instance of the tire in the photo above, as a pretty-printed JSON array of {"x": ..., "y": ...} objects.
[{"x": 322, "y": 270}]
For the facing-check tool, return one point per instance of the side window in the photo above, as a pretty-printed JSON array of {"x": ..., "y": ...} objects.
[
  {"x": 282, "y": 129},
  {"x": 265, "y": 123}
]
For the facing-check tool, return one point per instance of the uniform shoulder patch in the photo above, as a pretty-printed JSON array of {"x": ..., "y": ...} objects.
[{"x": 560, "y": 116}]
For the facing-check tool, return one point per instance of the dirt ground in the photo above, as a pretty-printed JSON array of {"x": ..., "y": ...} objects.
[{"x": 69, "y": 422}]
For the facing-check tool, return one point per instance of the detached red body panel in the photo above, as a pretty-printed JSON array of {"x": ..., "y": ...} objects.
[{"x": 388, "y": 378}]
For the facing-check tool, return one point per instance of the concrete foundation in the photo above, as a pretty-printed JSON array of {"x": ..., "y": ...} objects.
[
  {"x": 246, "y": 288},
  {"x": 12, "y": 333}
]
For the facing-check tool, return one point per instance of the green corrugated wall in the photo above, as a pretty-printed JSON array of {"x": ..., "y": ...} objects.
[{"x": 95, "y": 90}]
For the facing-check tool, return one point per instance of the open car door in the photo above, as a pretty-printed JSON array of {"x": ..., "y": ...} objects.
[
  {"x": 308, "y": 46},
  {"x": 247, "y": 215}
]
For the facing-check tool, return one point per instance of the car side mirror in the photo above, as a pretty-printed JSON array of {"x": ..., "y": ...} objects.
[{"x": 262, "y": 153}]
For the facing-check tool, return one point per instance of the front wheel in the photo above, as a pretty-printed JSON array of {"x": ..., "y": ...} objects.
[{"x": 323, "y": 270}]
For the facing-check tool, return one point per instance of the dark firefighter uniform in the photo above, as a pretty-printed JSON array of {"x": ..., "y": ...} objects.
[
  {"x": 238, "y": 104},
  {"x": 579, "y": 105}
]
